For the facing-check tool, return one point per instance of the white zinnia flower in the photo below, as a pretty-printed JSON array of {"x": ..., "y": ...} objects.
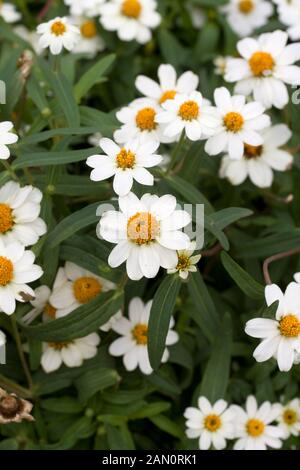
[
  {"x": 17, "y": 268},
  {"x": 258, "y": 162},
  {"x": 81, "y": 287},
  {"x": 57, "y": 34},
  {"x": 114, "y": 319},
  {"x": 134, "y": 337},
  {"x": 90, "y": 41},
  {"x": 19, "y": 214},
  {"x": 139, "y": 121},
  {"x": 253, "y": 428},
  {"x": 220, "y": 63},
  {"x": 190, "y": 113},
  {"x": 9, "y": 13},
  {"x": 89, "y": 8},
  {"x": 132, "y": 19},
  {"x": 186, "y": 262},
  {"x": 126, "y": 164},
  {"x": 289, "y": 418},
  {"x": 169, "y": 85},
  {"x": 6, "y": 138},
  {"x": 244, "y": 16},
  {"x": 71, "y": 353},
  {"x": 147, "y": 233},
  {"x": 212, "y": 424},
  {"x": 238, "y": 124},
  {"x": 280, "y": 337},
  {"x": 267, "y": 64},
  {"x": 289, "y": 15}
]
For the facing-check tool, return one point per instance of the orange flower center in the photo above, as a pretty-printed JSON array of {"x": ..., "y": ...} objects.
[
  {"x": 6, "y": 271},
  {"x": 289, "y": 326},
  {"x": 167, "y": 95},
  {"x": 58, "y": 28},
  {"x": 145, "y": 119},
  {"x": 183, "y": 262},
  {"x": 6, "y": 218},
  {"x": 88, "y": 29},
  {"x": 189, "y": 110},
  {"x": 255, "y": 427},
  {"x": 212, "y": 423},
  {"x": 261, "y": 63},
  {"x": 59, "y": 346},
  {"x": 139, "y": 333},
  {"x": 131, "y": 8},
  {"x": 290, "y": 417},
  {"x": 125, "y": 159},
  {"x": 233, "y": 121},
  {"x": 142, "y": 228},
  {"x": 50, "y": 310},
  {"x": 251, "y": 151},
  {"x": 246, "y": 6},
  {"x": 86, "y": 288}
]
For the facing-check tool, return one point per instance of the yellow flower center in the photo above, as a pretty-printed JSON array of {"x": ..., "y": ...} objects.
[
  {"x": 50, "y": 310},
  {"x": 251, "y": 151},
  {"x": 189, "y": 110},
  {"x": 142, "y": 228},
  {"x": 255, "y": 427},
  {"x": 58, "y": 28},
  {"x": 183, "y": 262},
  {"x": 6, "y": 271},
  {"x": 233, "y": 121},
  {"x": 261, "y": 63},
  {"x": 212, "y": 422},
  {"x": 246, "y": 6},
  {"x": 131, "y": 8},
  {"x": 145, "y": 119},
  {"x": 86, "y": 288},
  {"x": 139, "y": 333},
  {"x": 125, "y": 159},
  {"x": 88, "y": 29},
  {"x": 290, "y": 417},
  {"x": 6, "y": 218},
  {"x": 59, "y": 346},
  {"x": 289, "y": 326},
  {"x": 167, "y": 95}
]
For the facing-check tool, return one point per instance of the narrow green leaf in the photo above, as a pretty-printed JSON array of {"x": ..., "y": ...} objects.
[
  {"x": 92, "y": 76},
  {"x": 52, "y": 158},
  {"x": 167, "y": 425},
  {"x": 228, "y": 216},
  {"x": 191, "y": 194},
  {"x": 95, "y": 380}
]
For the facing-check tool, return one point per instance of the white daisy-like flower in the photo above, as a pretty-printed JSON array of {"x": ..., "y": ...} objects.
[
  {"x": 132, "y": 19},
  {"x": 289, "y": 418},
  {"x": 212, "y": 424},
  {"x": 134, "y": 337},
  {"x": 57, "y": 34},
  {"x": 2, "y": 338},
  {"x": 71, "y": 353},
  {"x": 114, "y": 319},
  {"x": 190, "y": 113},
  {"x": 139, "y": 122},
  {"x": 19, "y": 214},
  {"x": 81, "y": 287},
  {"x": 89, "y": 8},
  {"x": 258, "y": 162},
  {"x": 31, "y": 37},
  {"x": 186, "y": 262},
  {"x": 266, "y": 66},
  {"x": 147, "y": 233},
  {"x": 244, "y": 16},
  {"x": 90, "y": 42},
  {"x": 17, "y": 268},
  {"x": 239, "y": 123},
  {"x": 127, "y": 164},
  {"x": 220, "y": 63},
  {"x": 169, "y": 85},
  {"x": 253, "y": 428},
  {"x": 289, "y": 15},
  {"x": 280, "y": 337},
  {"x": 6, "y": 138},
  {"x": 9, "y": 12}
]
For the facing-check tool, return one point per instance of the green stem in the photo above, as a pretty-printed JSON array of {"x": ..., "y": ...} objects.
[
  {"x": 21, "y": 352},
  {"x": 10, "y": 170},
  {"x": 12, "y": 387},
  {"x": 176, "y": 152}
]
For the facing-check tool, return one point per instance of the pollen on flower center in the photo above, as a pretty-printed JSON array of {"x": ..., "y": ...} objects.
[
  {"x": 125, "y": 159},
  {"x": 88, "y": 29},
  {"x": 86, "y": 288},
  {"x": 59, "y": 346},
  {"x": 58, "y": 28},
  {"x": 233, "y": 121},
  {"x": 251, "y": 151},
  {"x": 290, "y": 417},
  {"x": 139, "y": 333},
  {"x": 6, "y": 218},
  {"x": 189, "y": 110},
  {"x": 145, "y": 119},
  {"x": 142, "y": 228},
  {"x": 131, "y": 8},
  {"x": 289, "y": 326},
  {"x": 6, "y": 271},
  {"x": 50, "y": 310},
  {"x": 246, "y": 6},
  {"x": 183, "y": 262},
  {"x": 167, "y": 95},
  {"x": 255, "y": 427},
  {"x": 212, "y": 422},
  {"x": 261, "y": 63}
]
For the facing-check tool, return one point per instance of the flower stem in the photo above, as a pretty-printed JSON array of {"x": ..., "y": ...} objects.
[
  {"x": 13, "y": 387},
  {"x": 10, "y": 170},
  {"x": 21, "y": 352},
  {"x": 277, "y": 257},
  {"x": 176, "y": 152}
]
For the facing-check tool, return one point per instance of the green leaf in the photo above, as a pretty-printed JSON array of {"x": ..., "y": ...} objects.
[
  {"x": 66, "y": 404},
  {"x": 188, "y": 191},
  {"x": 271, "y": 245},
  {"x": 106, "y": 123},
  {"x": 46, "y": 135},
  {"x": 167, "y": 425},
  {"x": 95, "y": 380},
  {"x": 92, "y": 76},
  {"x": 119, "y": 438},
  {"x": 228, "y": 216},
  {"x": 245, "y": 282},
  {"x": 160, "y": 315},
  {"x": 152, "y": 409},
  {"x": 52, "y": 158},
  {"x": 9, "y": 444}
]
